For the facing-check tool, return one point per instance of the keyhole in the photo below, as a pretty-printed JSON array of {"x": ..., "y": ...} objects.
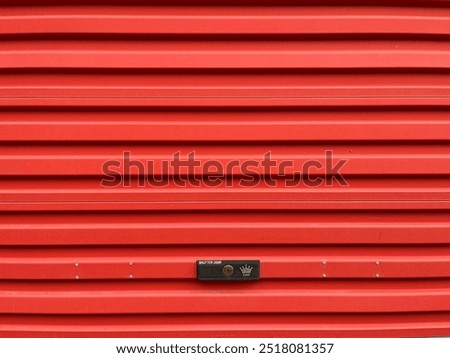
[{"x": 228, "y": 270}]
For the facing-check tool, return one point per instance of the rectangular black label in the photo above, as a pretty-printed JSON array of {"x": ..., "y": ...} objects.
[{"x": 228, "y": 270}]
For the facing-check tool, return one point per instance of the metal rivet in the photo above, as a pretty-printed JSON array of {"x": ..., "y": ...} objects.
[
  {"x": 324, "y": 262},
  {"x": 130, "y": 263},
  {"x": 77, "y": 277},
  {"x": 131, "y": 276},
  {"x": 377, "y": 263},
  {"x": 377, "y": 275},
  {"x": 324, "y": 275},
  {"x": 77, "y": 264}
]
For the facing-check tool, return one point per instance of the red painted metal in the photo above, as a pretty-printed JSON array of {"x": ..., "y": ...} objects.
[{"x": 80, "y": 85}]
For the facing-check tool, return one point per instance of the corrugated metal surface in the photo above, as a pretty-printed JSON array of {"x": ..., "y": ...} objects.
[{"x": 82, "y": 84}]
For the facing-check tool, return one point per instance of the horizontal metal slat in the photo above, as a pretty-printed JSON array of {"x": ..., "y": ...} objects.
[
  {"x": 166, "y": 297},
  {"x": 219, "y": 20},
  {"x": 179, "y": 263},
  {"x": 216, "y": 325},
  {"x": 184, "y": 228}
]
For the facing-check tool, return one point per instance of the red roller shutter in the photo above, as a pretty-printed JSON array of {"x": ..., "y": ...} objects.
[{"x": 84, "y": 84}]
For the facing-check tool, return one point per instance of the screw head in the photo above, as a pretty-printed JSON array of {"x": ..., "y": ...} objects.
[
  {"x": 131, "y": 276},
  {"x": 77, "y": 277},
  {"x": 324, "y": 275},
  {"x": 377, "y": 263},
  {"x": 77, "y": 264},
  {"x": 324, "y": 263},
  {"x": 377, "y": 275},
  {"x": 130, "y": 263}
]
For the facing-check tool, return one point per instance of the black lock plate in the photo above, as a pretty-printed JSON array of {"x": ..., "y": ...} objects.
[{"x": 228, "y": 270}]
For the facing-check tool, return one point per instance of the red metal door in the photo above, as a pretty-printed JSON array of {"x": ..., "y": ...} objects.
[{"x": 82, "y": 85}]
